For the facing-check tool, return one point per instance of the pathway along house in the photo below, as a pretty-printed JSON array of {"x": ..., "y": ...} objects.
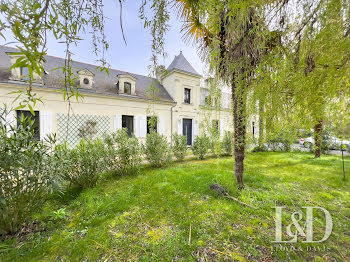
[{"x": 114, "y": 101}]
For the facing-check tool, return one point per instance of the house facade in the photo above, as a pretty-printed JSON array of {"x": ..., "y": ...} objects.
[{"x": 114, "y": 101}]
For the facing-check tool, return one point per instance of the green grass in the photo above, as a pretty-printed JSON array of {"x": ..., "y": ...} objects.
[{"x": 171, "y": 214}]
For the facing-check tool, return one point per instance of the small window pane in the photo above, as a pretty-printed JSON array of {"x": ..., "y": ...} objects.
[
  {"x": 207, "y": 100},
  {"x": 127, "y": 88},
  {"x": 24, "y": 73},
  {"x": 128, "y": 123},
  {"x": 151, "y": 125},
  {"x": 187, "y": 99},
  {"x": 216, "y": 125}
]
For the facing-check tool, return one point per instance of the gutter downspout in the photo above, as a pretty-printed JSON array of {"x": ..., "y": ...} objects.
[{"x": 171, "y": 123}]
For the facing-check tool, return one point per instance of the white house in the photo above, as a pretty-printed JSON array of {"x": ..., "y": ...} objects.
[{"x": 110, "y": 102}]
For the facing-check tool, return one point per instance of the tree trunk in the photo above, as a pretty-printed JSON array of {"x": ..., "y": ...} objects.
[
  {"x": 261, "y": 124},
  {"x": 318, "y": 138},
  {"x": 239, "y": 108}
]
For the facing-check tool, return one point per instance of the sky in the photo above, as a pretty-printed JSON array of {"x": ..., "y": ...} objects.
[{"x": 135, "y": 56}]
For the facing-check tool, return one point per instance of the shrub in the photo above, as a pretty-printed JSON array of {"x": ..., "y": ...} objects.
[
  {"x": 286, "y": 145},
  {"x": 217, "y": 147},
  {"x": 200, "y": 146},
  {"x": 156, "y": 149},
  {"x": 273, "y": 144},
  {"x": 85, "y": 162},
  {"x": 279, "y": 142},
  {"x": 326, "y": 143},
  {"x": 124, "y": 152},
  {"x": 227, "y": 143},
  {"x": 259, "y": 149},
  {"x": 179, "y": 146},
  {"x": 214, "y": 144},
  {"x": 27, "y": 173}
]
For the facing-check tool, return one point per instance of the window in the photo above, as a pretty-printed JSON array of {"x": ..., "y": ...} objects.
[
  {"x": 24, "y": 73},
  {"x": 128, "y": 123},
  {"x": 86, "y": 78},
  {"x": 187, "y": 99},
  {"x": 151, "y": 124},
  {"x": 215, "y": 124},
  {"x": 207, "y": 100},
  {"x": 216, "y": 101},
  {"x": 35, "y": 118},
  {"x": 127, "y": 88}
]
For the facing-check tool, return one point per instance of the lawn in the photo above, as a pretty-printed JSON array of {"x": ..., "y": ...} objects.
[{"x": 172, "y": 214}]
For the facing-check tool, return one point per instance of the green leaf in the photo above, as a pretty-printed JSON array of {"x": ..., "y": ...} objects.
[{"x": 31, "y": 109}]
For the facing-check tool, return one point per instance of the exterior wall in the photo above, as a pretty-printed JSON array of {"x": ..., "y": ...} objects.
[
  {"x": 92, "y": 104},
  {"x": 112, "y": 106},
  {"x": 175, "y": 83}
]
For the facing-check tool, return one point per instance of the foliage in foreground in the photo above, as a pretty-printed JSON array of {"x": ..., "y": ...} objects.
[
  {"x": 124, "y": 152},
  {"x": 172, "y": 213},
  {"x": 157, "y": 150},
  {"x": 281, "y": 141},
  {"x": 27, "y": 173},
  {"x": 200, "y": 146},
  {"x": 227, "y": 143},
  {"x": 84, "y": 163},
  {"x": 179, "y": 146}
]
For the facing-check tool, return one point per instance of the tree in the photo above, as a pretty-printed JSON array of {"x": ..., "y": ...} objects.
[
  {"x": 314, "y": 72},
  {"x": 237, "y": 39},
  {"x": 324, "y": 65},
  {"x": 230, "y": 31},
  {"x": 243, "y": 41}
]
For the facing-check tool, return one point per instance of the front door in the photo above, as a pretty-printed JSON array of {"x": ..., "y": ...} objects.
[{"x": 187, "y": 130}]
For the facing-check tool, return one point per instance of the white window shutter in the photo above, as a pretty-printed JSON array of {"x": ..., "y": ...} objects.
[
  {"x": 195, "y": 128},
  {"x": 137, "y": 126},
  {"x": 179, "y": 127},
  {"x": 45, "y": 124},
  {"x": 161, "y": 125},
  {"x": 221, "y": 122},
  {"x": 117, "y": 122},
  {"x": 143, "y": 126},
  {"x": 10, "y": 120}
]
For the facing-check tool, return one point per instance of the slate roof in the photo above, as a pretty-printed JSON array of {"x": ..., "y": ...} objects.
[
  {"x": 103, "y": 84},
  {"x": 180, "y": 63}
]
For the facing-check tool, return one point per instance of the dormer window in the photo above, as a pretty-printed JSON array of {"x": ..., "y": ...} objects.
[
  {"x": 21, "y": 73},
  {"x": 24, "y": 71},
  {"x": 86, "y": 78},
  {"x": 127, "y": 88},
  {"x": 127, "y": 84}
]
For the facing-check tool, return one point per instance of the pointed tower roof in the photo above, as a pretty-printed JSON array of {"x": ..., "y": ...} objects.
[{"x": 180, "y": 63}]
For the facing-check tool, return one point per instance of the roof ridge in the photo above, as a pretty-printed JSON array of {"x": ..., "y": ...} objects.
[
  {"x": 104, "y": 83},
  {"x": 76, "y": 61}
]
